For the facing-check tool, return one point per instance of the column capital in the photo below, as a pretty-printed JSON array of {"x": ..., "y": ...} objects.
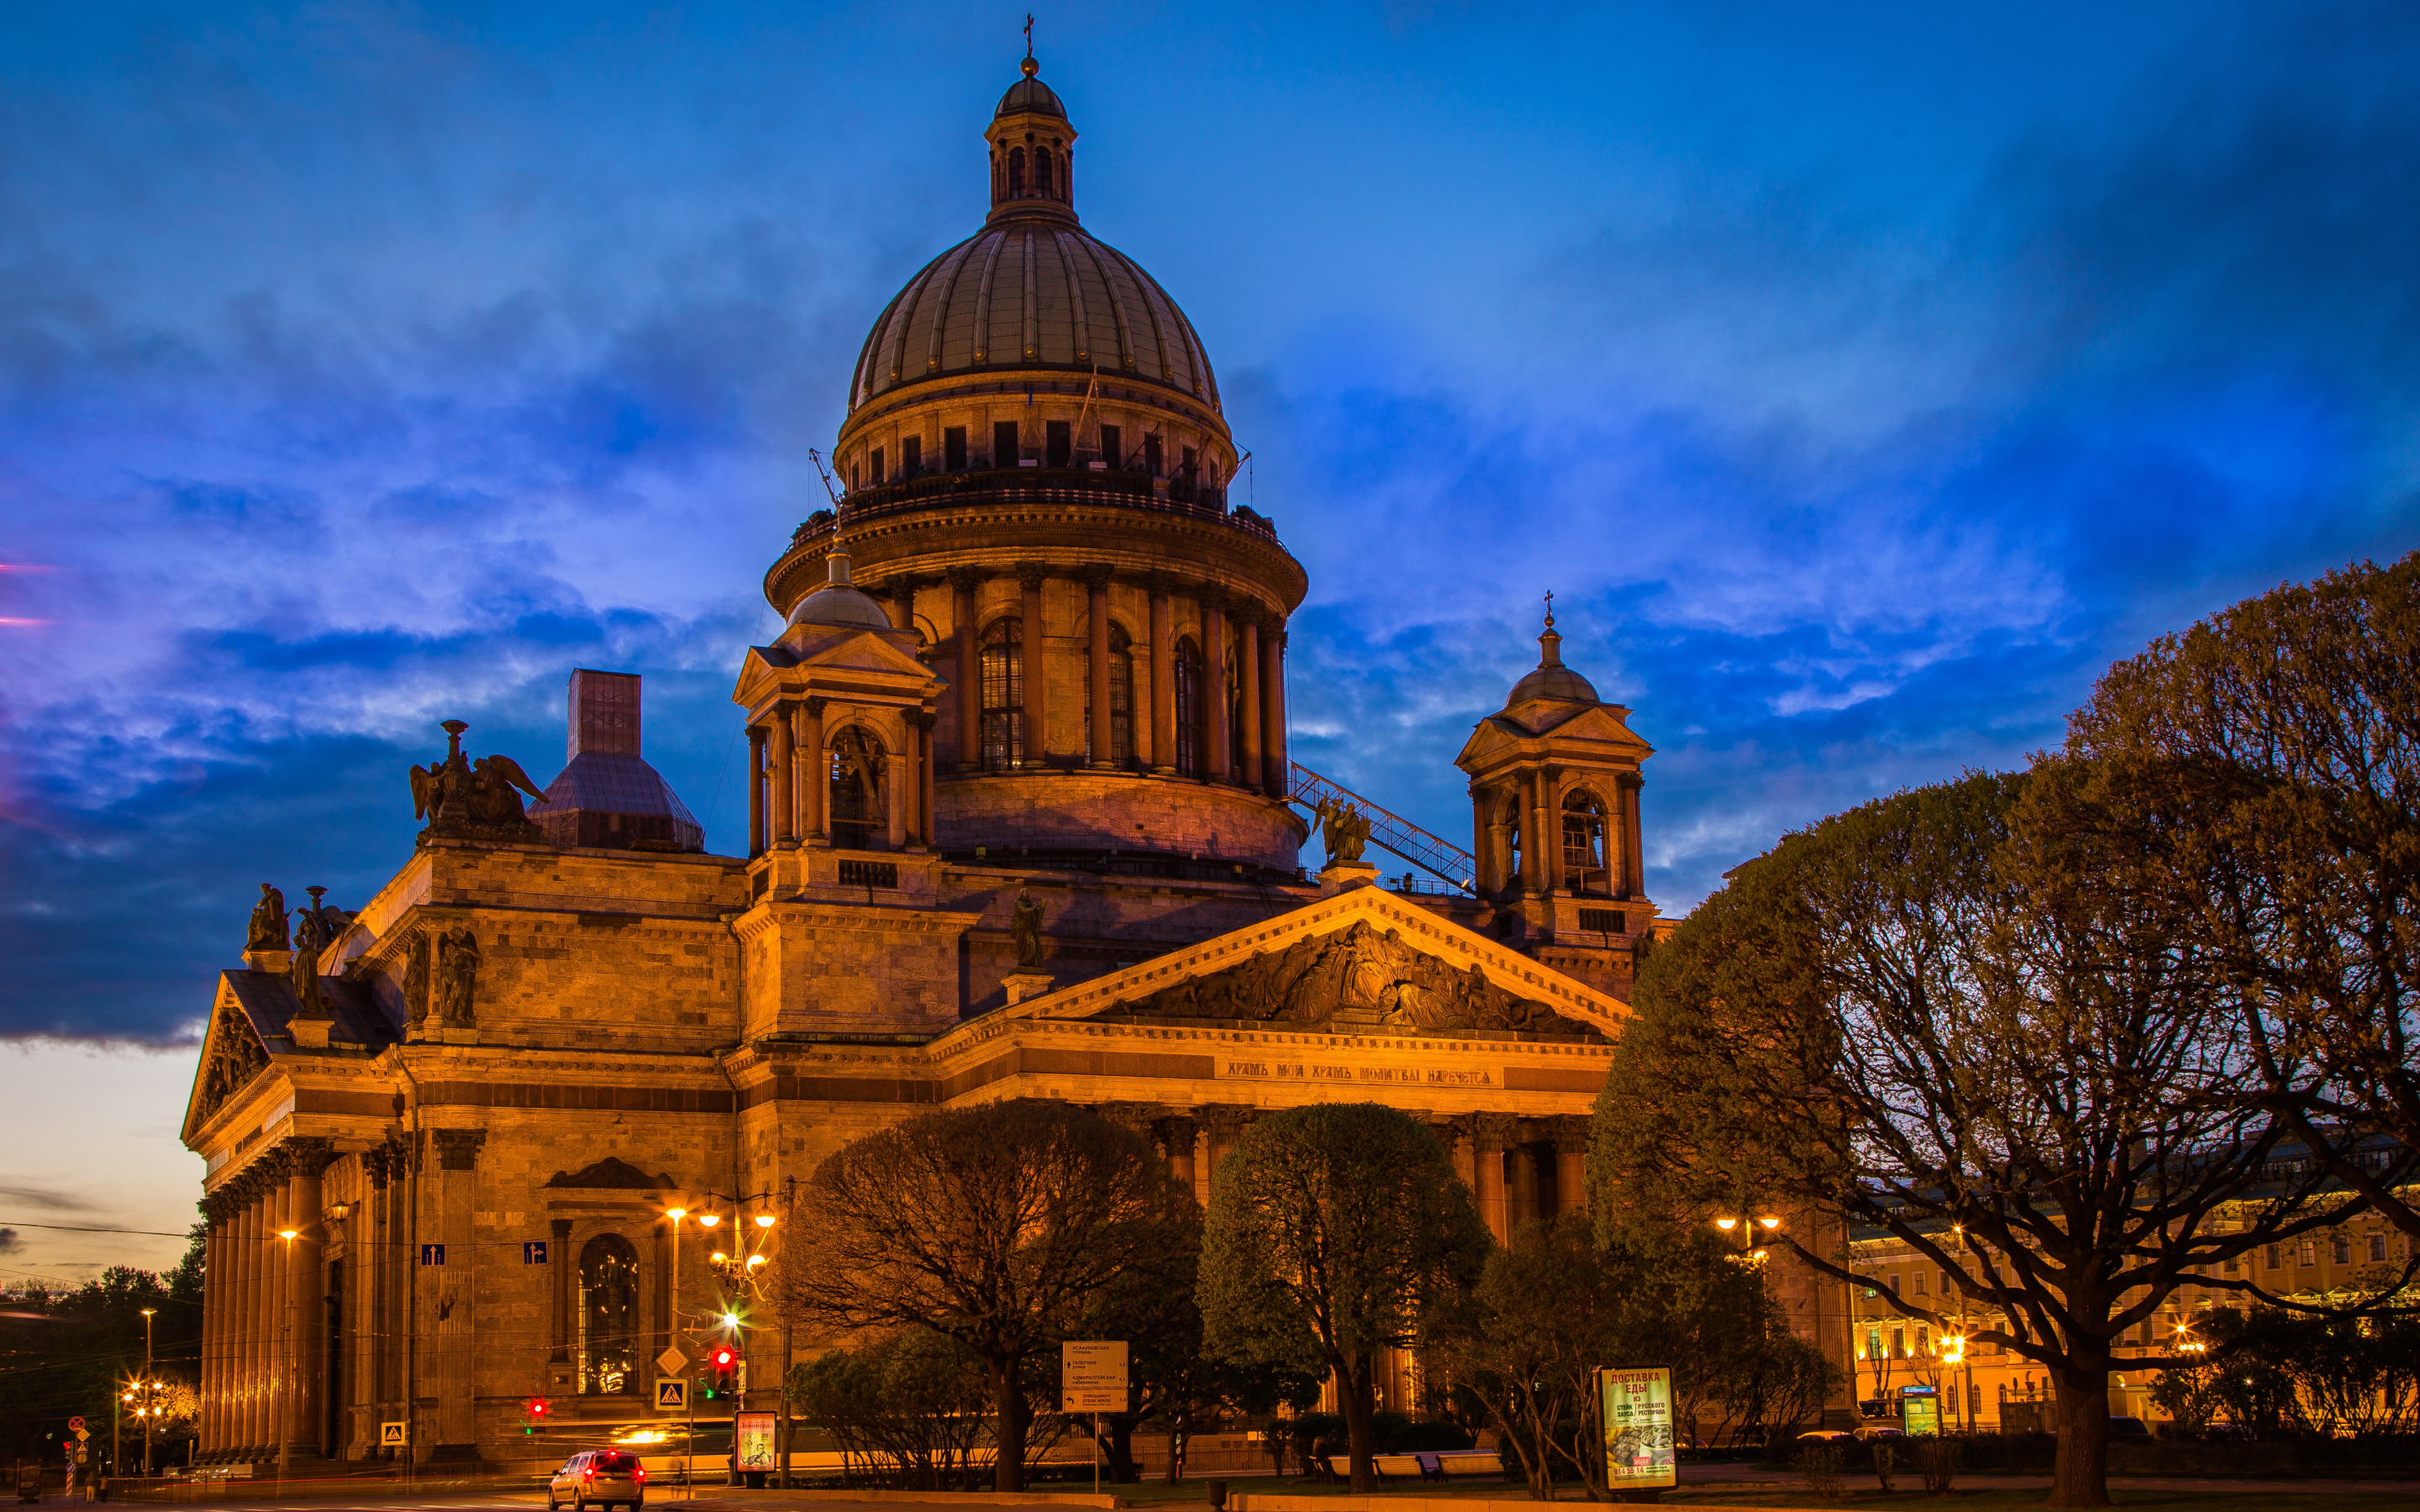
[
  {"x": 1571, "y": 1133},
  {"x": 1096, "y": 576},
  {"x": 1213, "y": 599},
  {"x": 1494, "y": 1131},
  {"x": 757, "y": 734},
  {"x": 308, "y": 1154},
  {"x": 965, "y": 579},
  {"x": 1225, "y": 1120},
  {"x": 1159, "y": 585},
  {"x": 1030, "y": 575},
  {"x": 815, "y": 706},
  {"x": 1175, "y": 1134},
  {"x": 457, "y": 1149}
]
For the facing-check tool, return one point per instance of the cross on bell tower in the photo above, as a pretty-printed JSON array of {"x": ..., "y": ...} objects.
[{"x": 1033, "y": 149}]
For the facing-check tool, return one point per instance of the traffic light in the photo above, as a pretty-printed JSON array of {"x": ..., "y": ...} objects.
[
  {"x": 722, "y": 1371},
  {"x": 536, "y": 1411}
]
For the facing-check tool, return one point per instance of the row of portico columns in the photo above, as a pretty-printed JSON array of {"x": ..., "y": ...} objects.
[
  {"x": 1517, "y": 1168},
  {"x": 263, "y": 1311}
]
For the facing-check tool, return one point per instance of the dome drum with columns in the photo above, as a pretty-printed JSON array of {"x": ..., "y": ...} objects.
[{"x": 475, "y": 1121}]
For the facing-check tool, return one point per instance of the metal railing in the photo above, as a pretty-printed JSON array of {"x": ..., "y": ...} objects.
[{"x": 1431, "y": 853}]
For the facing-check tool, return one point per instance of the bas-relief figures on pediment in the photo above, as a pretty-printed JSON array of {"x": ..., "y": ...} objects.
[
  {"x": 1358, "y": 978},
  {"x": 234, "y": 1056}
]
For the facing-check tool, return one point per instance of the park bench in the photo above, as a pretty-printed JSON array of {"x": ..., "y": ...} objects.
[
  {"x": 1399, "y": 1467},
  {"x": 1462, "y": 1464}
]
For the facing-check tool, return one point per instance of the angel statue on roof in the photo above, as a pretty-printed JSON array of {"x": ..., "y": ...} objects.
[{"x": 476, "y": 800}]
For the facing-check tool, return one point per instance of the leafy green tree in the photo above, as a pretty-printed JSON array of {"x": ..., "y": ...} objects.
[
  {"x": 1177, "y": 1383},
  {"x": 1926, "y": 1017},
  {"x": 2258, "y": 779},
  {"x": 63, "y": 1355},
  {"x": 1334, "y": 1230},
  {"x": 996, "y": 1225},
  {"x": 915, "y": 1398}
]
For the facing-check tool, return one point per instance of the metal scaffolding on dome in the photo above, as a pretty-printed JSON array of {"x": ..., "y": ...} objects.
[{"x": 1431, "y": 853}]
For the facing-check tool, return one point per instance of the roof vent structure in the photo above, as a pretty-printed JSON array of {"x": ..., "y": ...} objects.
[{"x": 608, "y": 797}]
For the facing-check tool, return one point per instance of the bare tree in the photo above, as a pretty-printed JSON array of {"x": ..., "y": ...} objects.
[
  {"x": 1917, "y": 1017},
  {"x": 1335, "y": 1229},
  {"x": 2258, "y": 776},
  {"x": 994, "y": 1226}
]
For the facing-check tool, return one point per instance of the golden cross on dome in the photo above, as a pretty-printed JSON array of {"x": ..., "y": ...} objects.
[
  {"x": 1550, "y": 609},
  {"x": 1028, "y": 34}
]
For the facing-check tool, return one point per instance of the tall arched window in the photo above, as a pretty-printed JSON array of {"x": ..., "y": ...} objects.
[
  {"x": 1120, "y": 751},
  {"x": 1015, "y": 171},
  {"x": 1003, "y": 694},
  {"x": 1041, "y": 172},
  {"x": 1584, "y": 868},
  {"x": 857, "y": 822},
  {"x": 1188, "y": 708},
  {"x": 609, "y": 1317}
]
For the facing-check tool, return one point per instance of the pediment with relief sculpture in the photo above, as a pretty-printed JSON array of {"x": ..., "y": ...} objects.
[{"x": 1364, "y": 962}]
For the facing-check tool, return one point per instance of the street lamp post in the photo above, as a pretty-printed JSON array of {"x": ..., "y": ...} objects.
[
  {"x": 1751, "y": 1256},
  {"x": 151, "y": 1389},
  {"x": 739, "y": 1268}
]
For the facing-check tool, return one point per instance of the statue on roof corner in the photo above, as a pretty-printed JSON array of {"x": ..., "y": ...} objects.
[
  {"x": 267, "y": 931},
  {"x": 463, "y": 800},
  {"x": 1348, "y": 829}
]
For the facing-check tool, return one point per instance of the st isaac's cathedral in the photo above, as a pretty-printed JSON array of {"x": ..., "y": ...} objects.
[{"x": 1022, "y": 824}]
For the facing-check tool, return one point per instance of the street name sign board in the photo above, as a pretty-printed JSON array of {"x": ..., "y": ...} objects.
[
  {"x": 672, "y": 1395},
  {"x": 1636, "y": 1408},
  {"x": 390, "y": 1436},
  {"x": 754, "y": 1432},
  {"x": 1092, "y": 1376}
]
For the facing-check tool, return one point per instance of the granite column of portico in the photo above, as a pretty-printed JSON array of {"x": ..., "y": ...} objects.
[
  {"x": 1247, "y": 698},
  {"x": 305, "y": 1325},
  {"x": 252, "y": 1315},
  {"x": 928, "y": 825},
  {"x": 213, "y": 1322},
  {"x": 365, "y": 1246},
  {"x": 1163, "y": 678},
  {"x": 1570, "y": 1164},
  {"x": 1037, "y": 667},
  {"x": 1217, "y": 735},
  {"x": 1490, "y": 1133},
  {"x": 966, "y": 698},
  {"x": 1222, "y": 1125},
  {"x": 1177, "y": 1136},
  {"x": 559, "y": 1322}
]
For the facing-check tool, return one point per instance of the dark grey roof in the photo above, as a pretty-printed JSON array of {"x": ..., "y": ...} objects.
[
  {"x": 611, "y": 784},
  {"x": 267, "y": 998},
  {"x": 1032, "y": 292},
  {"x": 1030, "y": 95},
  {"x": 839, "y": 604},
  {"x": 1552, "y": 680}
]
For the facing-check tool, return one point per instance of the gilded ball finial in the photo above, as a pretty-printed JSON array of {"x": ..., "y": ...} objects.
[{"x": 1028, "y": 67}]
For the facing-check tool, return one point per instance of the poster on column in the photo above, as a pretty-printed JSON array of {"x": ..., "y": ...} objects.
[
  {"x": 1635, "y": 1407},
  {"x": 755, "y": 1431}
]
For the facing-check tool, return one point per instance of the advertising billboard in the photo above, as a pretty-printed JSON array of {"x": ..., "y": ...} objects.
[{"x": 1636, "y": 1408}]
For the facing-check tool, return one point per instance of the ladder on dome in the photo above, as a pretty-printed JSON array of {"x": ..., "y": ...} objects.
[{"x": 1432, "y": 854}]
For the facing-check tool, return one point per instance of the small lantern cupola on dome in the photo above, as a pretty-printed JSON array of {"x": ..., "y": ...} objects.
[
  {"x": 1033, "y": 151},
  {"x": 1552, "y": 679}
]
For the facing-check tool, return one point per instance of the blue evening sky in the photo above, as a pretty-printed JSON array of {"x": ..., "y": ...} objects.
[{"x": 1862, "y": 379}]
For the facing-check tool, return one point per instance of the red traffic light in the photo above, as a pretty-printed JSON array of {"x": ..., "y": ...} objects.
[
  {"x": 537, "y": 1407},
  {"x": 723, "y": 1357}
]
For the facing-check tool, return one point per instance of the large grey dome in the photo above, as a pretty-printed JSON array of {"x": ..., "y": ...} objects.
[
  {"x": 1551, "y": 679},
  {"x": 1032, "y": 293}
]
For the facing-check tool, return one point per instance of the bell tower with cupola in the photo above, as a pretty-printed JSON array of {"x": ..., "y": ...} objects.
[
  {"x": 1033, "y": 153},
  {"x": 1554, "y": 798}
]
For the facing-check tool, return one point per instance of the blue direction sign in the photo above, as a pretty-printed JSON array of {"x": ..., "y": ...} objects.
[
  {"x": 533, "y": 1252},
  {"x": 432, "y": 1254}
]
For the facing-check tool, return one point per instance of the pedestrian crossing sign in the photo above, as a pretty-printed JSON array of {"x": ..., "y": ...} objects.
[
  {"x": 672, "y": 1395},
  {"x": 390, "y": 1436}
]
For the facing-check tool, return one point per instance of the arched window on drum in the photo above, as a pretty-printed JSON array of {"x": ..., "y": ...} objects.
[
  {"x": 610, "y": 1324},
  {"x": 1120, "y": 751},
  {"x": 1190, "y": 710},
  {"x": 1585, "y": 869},
  {"x": 1015, "y": 171},
  {"x": 1003, "y": 694}
]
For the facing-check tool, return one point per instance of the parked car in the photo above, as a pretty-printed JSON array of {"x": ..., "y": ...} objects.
[
  {"x": 1881, "y": 1431},
  {"x": 1825, "y": 1436},
  {"x": 598, "y": 1477}
]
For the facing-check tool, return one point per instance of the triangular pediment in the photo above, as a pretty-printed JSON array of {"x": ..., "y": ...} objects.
[
  {"x": 614, "y": 1174},
  {"x": 1596, "y": 729},
  {"x": 1363, "y": 962},
  {"x": 845, "y": 655},
  {"x": 233, "y": 1053}
]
